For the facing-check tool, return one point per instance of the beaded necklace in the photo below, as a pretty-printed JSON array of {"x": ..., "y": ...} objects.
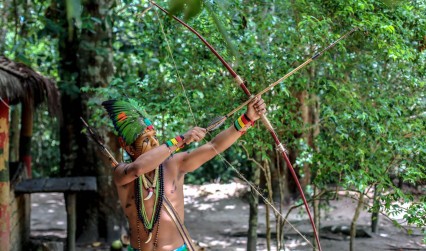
[
  {"x": 153, "y": 186},
  {"x": 158, "y": 203}
]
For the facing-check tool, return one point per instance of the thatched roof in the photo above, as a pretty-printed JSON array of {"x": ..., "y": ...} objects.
[{"x": 19, "y": 82}]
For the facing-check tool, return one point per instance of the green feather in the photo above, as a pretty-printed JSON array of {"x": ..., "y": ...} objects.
[{"x": 128, "y": 118}]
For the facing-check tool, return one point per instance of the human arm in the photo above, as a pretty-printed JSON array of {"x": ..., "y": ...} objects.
[
  {"x": 152, "y": 155},
  {"x": 125, "y": 173},
  {"x": 190, "y": 161}
]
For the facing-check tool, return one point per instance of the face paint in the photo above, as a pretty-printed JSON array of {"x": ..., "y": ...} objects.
[{"x": 145, "y": 142}]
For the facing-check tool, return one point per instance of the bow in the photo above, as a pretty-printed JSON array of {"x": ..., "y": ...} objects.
[{"x": 239, "y": 81}]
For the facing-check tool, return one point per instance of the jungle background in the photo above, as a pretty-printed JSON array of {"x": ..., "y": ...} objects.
[{"x": 353, "y": 120}]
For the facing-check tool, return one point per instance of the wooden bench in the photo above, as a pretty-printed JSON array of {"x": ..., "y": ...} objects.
[{"x": 69, "y": 186}]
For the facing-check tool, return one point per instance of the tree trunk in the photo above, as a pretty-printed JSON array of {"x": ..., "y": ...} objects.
[
  {"x": 281, "y": 185},
  {"x": 276, "y": 196},
  {"x": 98, "y": 215},
  {"x": 309, "y": 108},
  {"x": 313, "y": 132},
  {"x": 73, "y": 145},
  {"x": 96, "y": 70},
  {"x": 77, "y": 160},
  {"x": 267, "y": 173},
  {"x": 376, "y": 210},
  {"x": 303, "y": 97},
  {"x": 254, "y": 210},
  {"x": 317, "y": 214},
  {"x": 354, "y": 220},
  {"x": 268, "y": 227},
  {"x": 86, "y": 60}
]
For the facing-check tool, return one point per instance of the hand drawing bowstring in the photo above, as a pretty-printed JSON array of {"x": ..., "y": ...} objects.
[{"x": 263, "y": 118}]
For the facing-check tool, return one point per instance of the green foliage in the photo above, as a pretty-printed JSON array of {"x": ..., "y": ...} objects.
[
  {"x": 370, "y": 87},
  {"x": 372, "y": 117},
  {"x": 73, "y": 9},
  {"x": 368, "y": 84},
  {"x": 27, "y": 41},
  {"x": 190, "y": 8},
  {"x": 45, "y": 145}
]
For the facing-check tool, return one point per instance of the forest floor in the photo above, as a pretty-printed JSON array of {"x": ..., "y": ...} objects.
[{"x": 217, "y": 218}]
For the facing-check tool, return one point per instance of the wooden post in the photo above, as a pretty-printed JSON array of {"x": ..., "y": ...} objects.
[
  {"x": 4, "y": 177},
  {"x": 26, "y": 135},
  {"x": 71, "y": 220}
]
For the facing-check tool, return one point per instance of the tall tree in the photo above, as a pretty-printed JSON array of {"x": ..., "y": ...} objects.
[
  {"x": 86, "y": 61},
  {"x": 96, "y": 68}
]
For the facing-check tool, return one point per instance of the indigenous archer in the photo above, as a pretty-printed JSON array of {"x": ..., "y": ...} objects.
[{"x": 157, "y": 171}]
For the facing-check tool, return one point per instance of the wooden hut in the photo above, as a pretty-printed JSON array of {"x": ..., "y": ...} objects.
[{"x": 19, "y": 85}]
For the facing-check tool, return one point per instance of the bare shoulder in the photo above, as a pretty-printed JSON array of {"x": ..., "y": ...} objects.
[
  {"x": 124, "y": 173},
  {"x": 175, "y": 161}
]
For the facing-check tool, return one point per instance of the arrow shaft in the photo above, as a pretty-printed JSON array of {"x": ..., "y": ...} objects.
[{"x": 95, "y": 137}]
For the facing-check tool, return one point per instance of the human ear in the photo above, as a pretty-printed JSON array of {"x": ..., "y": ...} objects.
[
  {"x": 127, "y": 148},
  {"x": 121, "y": 142}
]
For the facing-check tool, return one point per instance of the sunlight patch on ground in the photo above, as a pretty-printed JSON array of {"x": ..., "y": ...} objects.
[
  {"x": 230, "y": 207},
  {"x": 295, "y": 243},
  {"x": 53, "y": 212},
  {"x": 218, "y": 243},
  {"x": 212, "y": 193},
  {"x": 215, "y": 191},
  {"x": 205, "y": 207}
]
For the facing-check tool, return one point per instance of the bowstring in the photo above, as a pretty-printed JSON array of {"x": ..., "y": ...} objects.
[
  {"x": 175, "y": 65},
  {"x": 265, "y": 200},
  {"x": 251, "y": 185}
]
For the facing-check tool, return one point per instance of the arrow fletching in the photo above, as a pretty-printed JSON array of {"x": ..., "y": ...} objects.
[{"x": 216, "y": 123}]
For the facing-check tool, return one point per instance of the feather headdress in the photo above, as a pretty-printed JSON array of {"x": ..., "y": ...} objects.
[{"x": 128, "y": 117}]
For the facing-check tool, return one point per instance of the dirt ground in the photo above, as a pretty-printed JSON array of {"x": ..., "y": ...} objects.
[{"x": 217, "y": 218}]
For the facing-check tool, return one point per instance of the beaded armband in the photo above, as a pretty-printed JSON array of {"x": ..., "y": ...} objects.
[
  {"x": 243, "y": 123},
  {"x": 175, "y": 141}
]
